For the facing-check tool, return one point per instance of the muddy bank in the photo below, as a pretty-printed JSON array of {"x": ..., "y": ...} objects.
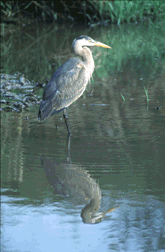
[{"x": 18, "y": 93}]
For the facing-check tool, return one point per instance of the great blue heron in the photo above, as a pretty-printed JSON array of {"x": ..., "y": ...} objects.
[{"x": 70, "y": 80}]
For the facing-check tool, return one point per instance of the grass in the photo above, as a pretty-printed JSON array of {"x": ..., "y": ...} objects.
[
  {"x": 128, "y": 11},
  {"x": 135, "y": 43},
  {"x": 43, "y": 9},
  {"x": 123, "y": 99},
  {"x": 115, "y": 12},
  {"x": 146, "y": 92}
]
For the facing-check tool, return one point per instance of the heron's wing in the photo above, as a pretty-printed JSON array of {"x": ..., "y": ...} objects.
[
  {"x": 71, "y": 85},
  {"x": 66, "y": 85},
  {"x": 68, "y": 80}
]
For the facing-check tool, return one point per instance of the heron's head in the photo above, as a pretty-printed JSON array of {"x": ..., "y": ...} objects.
[{"x": 84, "y": 40}]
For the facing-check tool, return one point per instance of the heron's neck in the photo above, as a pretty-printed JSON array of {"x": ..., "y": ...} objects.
[{"x": 87, "y": 58}]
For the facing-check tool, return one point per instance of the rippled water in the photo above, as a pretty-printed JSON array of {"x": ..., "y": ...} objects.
[
  {"x": 115, "y": 151},
  {"x": 112, "y": 174}
]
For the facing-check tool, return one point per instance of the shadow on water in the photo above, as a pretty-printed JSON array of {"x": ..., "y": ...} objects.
[
  {"x": 44, "y": 192},
  {"x": 75, "y": 183}
]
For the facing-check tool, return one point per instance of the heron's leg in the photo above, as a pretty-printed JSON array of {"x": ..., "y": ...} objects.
[
  {"x": 68, "y": 149},
  {"x": 66, "y": 119}
]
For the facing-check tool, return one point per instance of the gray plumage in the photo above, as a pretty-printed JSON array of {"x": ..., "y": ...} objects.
[{"x": 69, "y": 81}]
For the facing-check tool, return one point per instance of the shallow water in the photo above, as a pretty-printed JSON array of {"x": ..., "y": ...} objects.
[{"x": 51, "y": 192}]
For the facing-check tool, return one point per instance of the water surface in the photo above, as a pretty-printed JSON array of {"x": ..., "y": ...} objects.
[{"x": 51, "y": 195}]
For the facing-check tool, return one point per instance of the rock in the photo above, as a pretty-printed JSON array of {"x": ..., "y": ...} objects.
[
  {"x": 7, "y": 109},
  {"x": 9, "y": 95},
  {"x": 17, "y": 92},
  {"x": 3, "y": 101}
]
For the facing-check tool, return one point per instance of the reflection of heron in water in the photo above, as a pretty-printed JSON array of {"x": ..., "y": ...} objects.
[
  {"x": 75, "y": 183},
  {"x": 69, "y": 81}
]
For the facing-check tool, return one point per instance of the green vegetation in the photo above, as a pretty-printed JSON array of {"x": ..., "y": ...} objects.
[
  {"x": 123, "y": 99},
  {"x": 89, "y": 12},
  {"x": 15, "y": 10},
  {"x": 135, "y": 43},
  {"x": 146, "y": 92},
  {"x": 38, "y": 55},
  {"x": 141, "y": 39},
  {"x": 128, "y": 11}
]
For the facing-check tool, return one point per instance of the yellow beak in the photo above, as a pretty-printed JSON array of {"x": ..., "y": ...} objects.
[
  {"x": 110, "y": 210},
  {"x": 101, "y": 44}
]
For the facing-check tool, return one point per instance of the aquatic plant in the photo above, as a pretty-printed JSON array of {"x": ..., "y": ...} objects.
[{"x": 146, "y": 92}]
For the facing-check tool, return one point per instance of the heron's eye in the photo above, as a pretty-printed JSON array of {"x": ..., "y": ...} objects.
[{"x": 90, "y": 40}]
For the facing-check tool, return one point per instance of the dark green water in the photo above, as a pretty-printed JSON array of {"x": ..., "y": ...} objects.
[{"x": 116, "y": 159}]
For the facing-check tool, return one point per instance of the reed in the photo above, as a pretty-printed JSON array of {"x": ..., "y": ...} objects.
[
  {"x": 128, "y": 11},
  {"x": 91, "y": 12},
  {"x": 146, "y": 92}
]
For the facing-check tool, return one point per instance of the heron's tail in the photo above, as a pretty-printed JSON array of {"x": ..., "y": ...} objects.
[{"x": 45, "y": 110}]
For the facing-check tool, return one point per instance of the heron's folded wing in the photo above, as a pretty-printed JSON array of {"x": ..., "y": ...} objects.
[{"x": 67, "y": 84}]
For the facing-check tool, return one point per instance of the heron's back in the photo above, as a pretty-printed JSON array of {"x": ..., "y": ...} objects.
[{"x": 66, "y": 85}]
